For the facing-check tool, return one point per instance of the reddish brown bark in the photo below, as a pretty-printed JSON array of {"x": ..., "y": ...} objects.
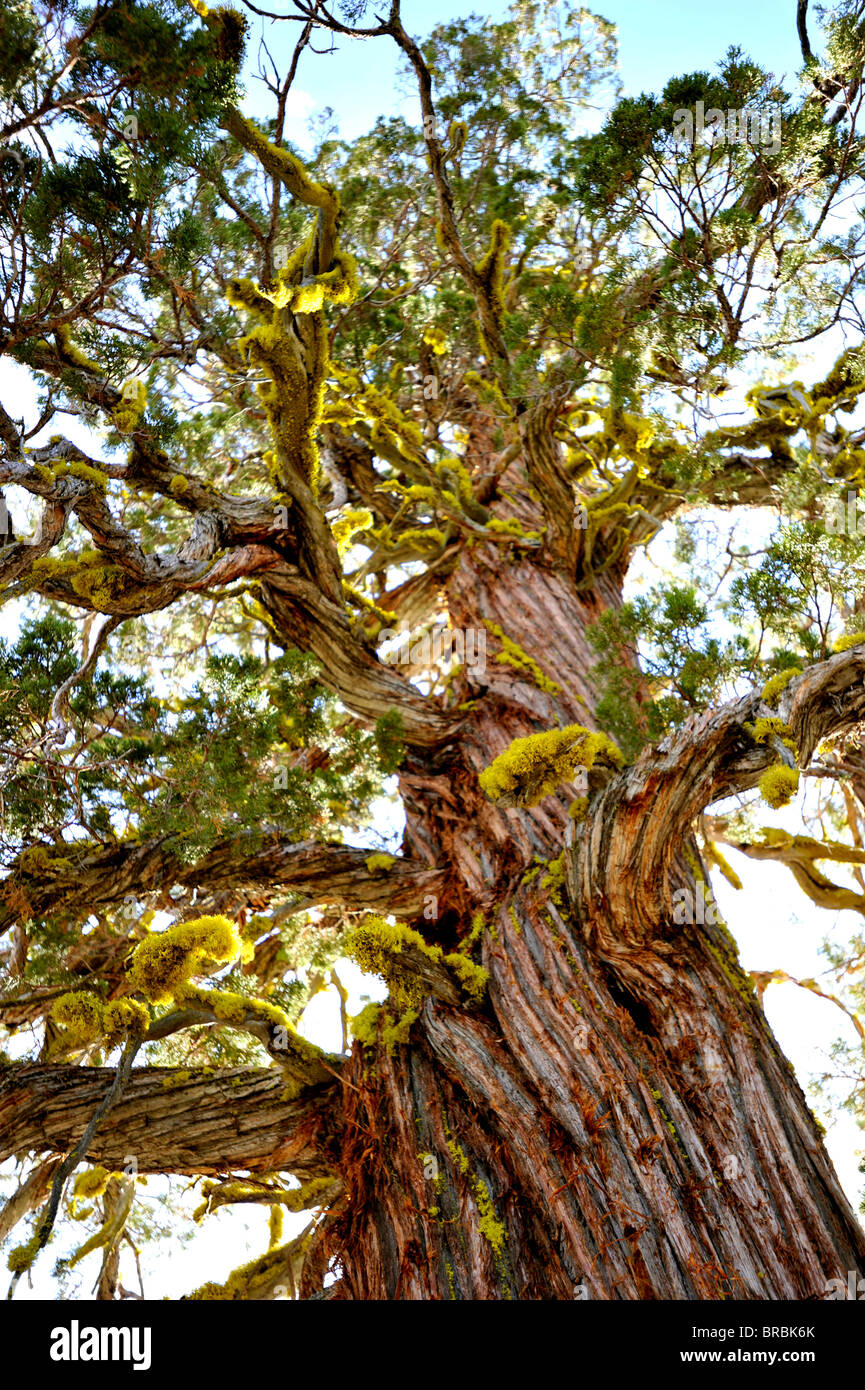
[{"x": 618, "y": 1120}]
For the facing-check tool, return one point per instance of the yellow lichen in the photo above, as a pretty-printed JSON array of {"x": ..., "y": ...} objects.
[
  {"x": 776, "y": 684},
  {"x": 380, "y": 863},
  {"x": 764, "y": 730},
  {"x": 86, "y": 1018},
  {"x": 77, "y": 468},
  {"x": 163, "y": 962},
  {"x": 81, "y": 1015},
  {"x": 376, "y": 946},
  {"x": 852, "y": 639},
  {"x": 534, "y": 767},
  {"x": 22, "y": 1256},
  {"x": 513, "y": 655},
  {"x": 779, "y": 785},
  {"x": 489, "y": 1225},
  {"x": 127, "y": 415}
]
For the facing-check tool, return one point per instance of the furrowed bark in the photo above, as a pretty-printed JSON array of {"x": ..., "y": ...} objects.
[
  {"x": 617, "y": 1120},
  {"x": 106, "y": 874},
  {"x": 170, "y": 1120}
]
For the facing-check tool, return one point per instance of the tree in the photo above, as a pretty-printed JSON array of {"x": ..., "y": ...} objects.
[{"x": 382, "y": 433}]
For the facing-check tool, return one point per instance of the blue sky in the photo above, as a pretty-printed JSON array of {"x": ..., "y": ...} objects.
[{"x": 657, "y": 40}]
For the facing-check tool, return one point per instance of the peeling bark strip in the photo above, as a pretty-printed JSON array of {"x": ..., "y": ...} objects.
[{"x": 169, "y": 1120}]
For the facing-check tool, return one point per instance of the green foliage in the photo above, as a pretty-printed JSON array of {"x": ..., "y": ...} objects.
[
  {"x": 683, "y": 666},
  {"x": 227, "y": 756}
]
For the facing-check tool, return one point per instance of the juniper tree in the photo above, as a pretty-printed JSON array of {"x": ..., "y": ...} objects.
[{"x": 452, "y": 374}]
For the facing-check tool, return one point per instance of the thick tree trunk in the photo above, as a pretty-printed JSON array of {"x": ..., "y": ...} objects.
[{"x": 618, "y": 1122}]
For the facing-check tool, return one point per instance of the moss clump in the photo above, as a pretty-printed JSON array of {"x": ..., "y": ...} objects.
[
  {"x": 253, "y": 1280},
  {"x": 89, "y": 1184},
  {"x": 364, "y": 1026},
  {"x": 396, "y": 1032},
  {"x": 534, "y": 767},
  {"x": 102, "y": 585},
  {"x": 778, "y": 785},
  {"x": 39, "y": 860},
  {"x": 81, "y": 1015},
  {"x": 22, "y": 1257},
  {"x": 513, "y": 655},
  {"x": 86, "y": 1019},
  {"x": 376, "y": 946},
  {"x": 764, "y": 730},
  {"x": 124, "y": 1016},
  {"x": 380, "y": 863},
  {"x": 128, "y": 414},
  {"x": 163, "y": 963},
  {"x": 473, "y": 978},
  {"x": 776, "y": 684},
  {"x": 77, "y": 468},
  {"x": 852, "y": 639}
]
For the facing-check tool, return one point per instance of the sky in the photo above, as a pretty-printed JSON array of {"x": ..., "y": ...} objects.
[{"x": 775, "y": 925}]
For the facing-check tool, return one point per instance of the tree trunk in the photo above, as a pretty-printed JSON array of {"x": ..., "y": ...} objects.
[{"x": 618, "y": 1122}]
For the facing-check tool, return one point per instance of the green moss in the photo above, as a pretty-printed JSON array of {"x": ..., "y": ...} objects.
[
  {"x": 764, "y": 730},
  {"x": 364, "y": 1026},
  {"x": 778, "y": 785},
  {"x": 163, "y": 962},
  {"x": 380, "y": 863},
  {"x": 376, "y": 946},
  {"x": 776, "y": 684},
  {"x": 534, "y": 767},
  {"x": 513, "y": 655}
]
